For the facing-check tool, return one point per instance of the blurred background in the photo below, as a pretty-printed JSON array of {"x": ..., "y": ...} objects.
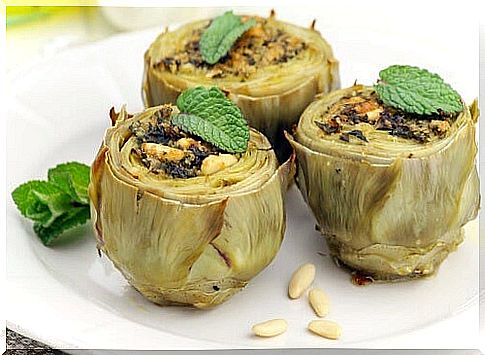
[
  {"x": 38, "y": 32},
  {"x": 34, "y": 31}
]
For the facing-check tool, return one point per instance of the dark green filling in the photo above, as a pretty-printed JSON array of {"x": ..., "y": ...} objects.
[{"x": 160, "y": 131}]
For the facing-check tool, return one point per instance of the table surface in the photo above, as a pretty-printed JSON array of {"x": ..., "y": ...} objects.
[{"x": 19, "y": 345}]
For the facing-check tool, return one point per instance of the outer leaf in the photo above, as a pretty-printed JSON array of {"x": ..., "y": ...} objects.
[
  {"x": 210, "y": 115},
  {"x": 74, "y": 217},
  {"x": 417, "y": 90},
  {"x": 219, "y": 37},
  {"x": 73, "y": 178}
]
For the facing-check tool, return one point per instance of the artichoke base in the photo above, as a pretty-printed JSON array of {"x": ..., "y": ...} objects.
[
  {"x": 202, "y": 295},
  {"x": 374, "y": 261},
  {"x": 192, "y": 295}
]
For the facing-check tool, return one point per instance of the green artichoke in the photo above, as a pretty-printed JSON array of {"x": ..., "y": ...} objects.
[
  {"x": 272, "y": 72},
  {"x": 391, "y": 202},
  {"x": 185, "y": 240}
]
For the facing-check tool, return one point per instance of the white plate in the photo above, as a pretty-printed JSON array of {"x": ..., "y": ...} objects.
[{"x": 70, "y": 298}]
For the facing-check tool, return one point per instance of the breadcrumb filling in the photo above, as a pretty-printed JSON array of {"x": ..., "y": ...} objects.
[
  {"x": 258, "y": 47},
  {"x": 365, "y": 107},
  {"x": 165, "y": 148}
]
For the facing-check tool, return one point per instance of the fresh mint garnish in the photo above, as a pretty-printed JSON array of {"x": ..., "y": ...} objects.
[
  {"x": 416, "y": 90},
  {"x": 220, "y": 36},
  {"x": 41, "y": 201},
  {"x": 58, "y": 204},
  {"x": 73, "y": 178},
  {"x": 209, "y": 114},
  {"x": 74, "y": 217}
]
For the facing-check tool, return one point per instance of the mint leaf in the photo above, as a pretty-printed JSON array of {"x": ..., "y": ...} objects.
[
  {"x": 416, "y": 90},
  {"x": 73, "y": 178},
  {"x": 209, "y": 114},
  {"x": 58, "y": 204},
  {"x": 41, "y": 201},
  {"x": 220, "y": 36},
  {"x": 76, "y": 216}
]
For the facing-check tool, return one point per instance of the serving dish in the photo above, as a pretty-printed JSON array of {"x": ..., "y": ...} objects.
[{"x": 68, "y": 297}]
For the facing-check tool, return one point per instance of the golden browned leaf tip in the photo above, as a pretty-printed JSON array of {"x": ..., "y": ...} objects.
[
  {"x": 226, "y": 92},
  {"x": 475, "y": 111},
  {"x": 113, "y": 115}
]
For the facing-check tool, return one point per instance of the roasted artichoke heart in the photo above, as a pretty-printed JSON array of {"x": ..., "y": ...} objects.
[
  {"x": 184, "y": 224},
  {"x": 272, "y": 72},
  {"x": 390, "y": 191}
]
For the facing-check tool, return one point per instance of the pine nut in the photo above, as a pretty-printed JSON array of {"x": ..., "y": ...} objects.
[
  {"x": 214, "y": 163},
  {"x": 186, "y": 143},
  {"x": 319, "y": 302},
  {"x": 270, "y": 328},
  {"x": 325, "y": 328},
  {"x": 301, "y": 280},
  {"x": 163, "y": 152}
]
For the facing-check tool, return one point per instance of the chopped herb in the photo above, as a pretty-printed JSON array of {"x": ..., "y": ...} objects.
[
  {"x": 345, "y": 137},
  {"x": 331, "y": 127},
  {"x": 365, "y": 107},
  {"x": 260, "y": 46},
  {"x": 358, "y": 133},
  {"x": 159, "y": 130}
]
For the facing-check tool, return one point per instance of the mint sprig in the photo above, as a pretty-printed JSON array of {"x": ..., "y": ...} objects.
[
  {"x": 416, "y": 90},
  {"x": 220, "y": 36},
  {"x": 58, "y": 204},
  {"x": 73, "y": 217},
  {"x": 73, "y": 178},
  {"x": 209, "y": 114}
]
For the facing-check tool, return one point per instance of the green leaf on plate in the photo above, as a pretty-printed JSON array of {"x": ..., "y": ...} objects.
[
  {"x": 76, "y": 216},
  {"x": 58, "y": 204},
  {"x": 41, "y": 201}
]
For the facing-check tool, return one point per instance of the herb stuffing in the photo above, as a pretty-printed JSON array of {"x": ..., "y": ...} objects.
[
  {"x": 166, "y": 148},
  {"x": 178, "y": 143},
  {"x": 408, "y": 102},
  {"x": 261, "y": 45},
  {"x": 368, "y": 108}
]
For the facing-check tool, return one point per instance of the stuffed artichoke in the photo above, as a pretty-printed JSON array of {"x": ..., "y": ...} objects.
[
  {"x": 390, "y": 190},
  {"x": 272, "y": 72},
  {"x": 185, "y": 222}
]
